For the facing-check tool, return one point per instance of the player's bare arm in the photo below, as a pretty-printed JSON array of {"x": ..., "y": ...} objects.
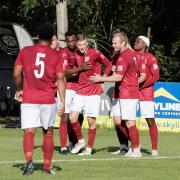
[
  {"x": 17, "y": 75},
  {"x": 113, "y": 78},
  {"x": 70, "y": 73},
  {"x": 154, "y": 75},
  {"x": 61, "y": 86}
]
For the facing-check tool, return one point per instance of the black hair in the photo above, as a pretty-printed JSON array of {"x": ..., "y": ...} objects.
[
  {"x": 45, "y": 31},
  {"x": 70, "y": 33}
]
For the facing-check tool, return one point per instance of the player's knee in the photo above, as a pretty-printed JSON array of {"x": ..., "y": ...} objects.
[
  {"x": 72, "y": 118},
  {"x": 65, "y": 118},
  {"x": 29, "y": 130},
  {"x": 116, "y": 120},
  {"x": 150, "y": 121},
  {"x": 92, "y": 123},
  {"x": 130, "y": 123},
  {"x": 49, "y": 131}
]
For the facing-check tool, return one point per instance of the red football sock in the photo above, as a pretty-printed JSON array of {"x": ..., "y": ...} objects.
[
  {"x": 134, "y": 136},
  {"x": 71, "y": 134},
  {"x": 28, "y": 145},
  {"x": 48, "y": 150},
  {"x": 63, "y": 133},
  {"x": 122, "y": 133},
  {"x": 91, "y": 137},
  {"x": 77, "y": 130},
  {"x": 153, "y": 132}
]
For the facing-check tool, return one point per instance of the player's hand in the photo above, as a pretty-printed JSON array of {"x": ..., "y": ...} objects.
[
  {"x": 61, "y": 110},
  {"x": 95, "y": 78},
  {"x": 85, "y": 67},
  {"x": 18, "y": 95}
]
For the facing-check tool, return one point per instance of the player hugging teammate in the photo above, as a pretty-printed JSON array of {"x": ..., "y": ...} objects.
[{"x": 78, "y": 67}]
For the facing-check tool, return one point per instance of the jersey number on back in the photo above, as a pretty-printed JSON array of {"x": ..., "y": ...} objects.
[{"x": 39, "y": 62}]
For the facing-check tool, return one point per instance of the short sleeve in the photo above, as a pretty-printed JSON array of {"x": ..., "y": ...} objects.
[{"x": 121, "y": 66}]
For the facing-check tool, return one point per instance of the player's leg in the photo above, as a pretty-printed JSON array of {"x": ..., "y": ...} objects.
[
  {"x": 128, "y": 112},
  {"x": 28, "y": 146},
  {"x": 153, "y": 132},
  {"x": 122, "y": 134},
  {"x": 28, "y": 143},
  {"x": 63, "y": 127},
  {"x": 91, "y": 136},
  {"x": 63, "y": 132},
  {"x": 72, "y": 137},
  {"x": 120, "y": 126},
  {"x": 147, "y": 112},
  {"x": 77, "y": 106},
  {"x": 134, "y": 138},
  {"x": 48, "y": 149},
  {"x": 30, "y": 119},
  {"x": 91, "y": 111},
  {"x": 47, "y": 118}
]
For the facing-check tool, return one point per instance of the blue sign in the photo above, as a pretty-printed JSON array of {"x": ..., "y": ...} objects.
[{"x": 167, "y": 100}]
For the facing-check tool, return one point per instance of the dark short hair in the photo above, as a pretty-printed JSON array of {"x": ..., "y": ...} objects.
[
  {"x": 70, "y": 33},
  {"x": 45, "y": 31}
]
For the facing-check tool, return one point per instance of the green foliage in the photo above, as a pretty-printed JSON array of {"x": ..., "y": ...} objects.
[
  {"x": 99, "y": 18},
  {"x": 168, "y": 65}
]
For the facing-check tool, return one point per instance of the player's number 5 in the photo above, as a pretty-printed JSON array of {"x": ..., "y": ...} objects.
[{"x": 40, "y": 63}]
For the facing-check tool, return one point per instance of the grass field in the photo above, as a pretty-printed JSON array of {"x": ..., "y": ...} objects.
[{"x": 101, "y": 165}]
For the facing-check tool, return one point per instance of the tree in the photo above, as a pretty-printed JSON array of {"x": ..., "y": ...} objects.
[
  {"x": 99, "y": 18},
  {"x": 62, "y": 20}
]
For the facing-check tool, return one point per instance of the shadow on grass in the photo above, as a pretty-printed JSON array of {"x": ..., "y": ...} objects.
[
  {"x": 57, "y": 148},
  {"x": 38, "y": 167},
  {"x": 111, "y": 149}
]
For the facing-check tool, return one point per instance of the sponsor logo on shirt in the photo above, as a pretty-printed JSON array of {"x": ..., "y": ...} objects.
[
  {"x": 120, "y": 68},
  {"x": 155, "y": 66},
  {"x": 86, "y": 59}
]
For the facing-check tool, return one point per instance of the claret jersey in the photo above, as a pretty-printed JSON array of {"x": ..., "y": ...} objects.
[
  {"x": 69, "y": 61},
  {"x": 125, "y": 65},
  {"x": 152, "y": 75},
  {"x": 96, "y": 59},
  {"x": 40, "y": 64}
]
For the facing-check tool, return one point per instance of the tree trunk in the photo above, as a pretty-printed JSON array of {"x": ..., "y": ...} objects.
[{"x": 62, "y": 21}]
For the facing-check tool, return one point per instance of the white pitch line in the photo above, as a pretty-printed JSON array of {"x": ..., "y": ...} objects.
[{"x": 94, "y": 159}]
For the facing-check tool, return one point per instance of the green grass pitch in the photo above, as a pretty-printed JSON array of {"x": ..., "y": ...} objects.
[{"x": 101, "y": 165}]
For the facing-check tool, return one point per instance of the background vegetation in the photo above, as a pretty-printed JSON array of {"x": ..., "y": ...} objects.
[{"x": 99, "y": 18}]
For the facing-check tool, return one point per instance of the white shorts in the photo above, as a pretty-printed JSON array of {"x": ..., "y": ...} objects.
[
  {"x": 38, "y": 115},
  {"x": 128, "y": 109},
  {"x": 147, "y": 109},
  {"x": 115, "y": 108},
  {"x": 125, "y": 108},
  {"x": 70, "y": 94},
  {"x": 90, "y": 104}
]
